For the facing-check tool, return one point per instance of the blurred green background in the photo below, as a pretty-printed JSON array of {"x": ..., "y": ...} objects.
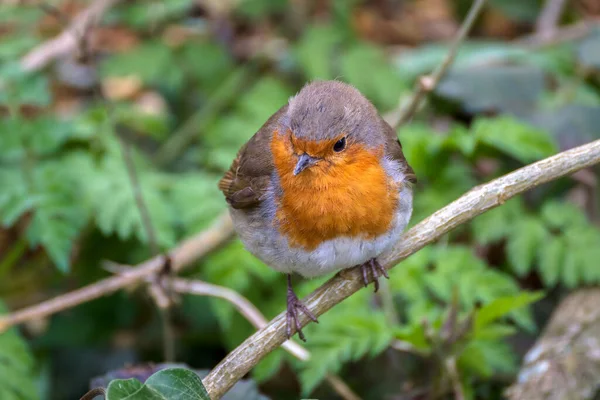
[{"x": 185, "y": 83}]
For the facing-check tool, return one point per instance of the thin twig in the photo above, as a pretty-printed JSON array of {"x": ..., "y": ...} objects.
[
  {"x": 68, "y": 40},
  {"x": 549, "y": 17},
  {"x": 459, "y": 393},
  {"x": 184, "y": 254},
  {"x": 255, "y": 317},
  {"x": 157, "y": 291},
  {"x": 428, "y": 83},
  {"x": 480, "y": 199},
  {"x": 407, "y": 347},
  {"x": 139, "y": 197},
  {"x": 188, "y": 131},
  {"x": 92, "y": 394}
]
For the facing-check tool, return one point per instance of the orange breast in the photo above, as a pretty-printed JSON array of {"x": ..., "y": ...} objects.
[{"x": 352, "y": 196}]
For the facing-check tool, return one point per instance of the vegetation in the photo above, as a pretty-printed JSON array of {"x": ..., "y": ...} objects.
[{"x": 172, "y": 89}]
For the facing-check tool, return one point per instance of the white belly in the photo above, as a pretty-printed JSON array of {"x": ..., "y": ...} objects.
[{"x": 263, "y": 240}]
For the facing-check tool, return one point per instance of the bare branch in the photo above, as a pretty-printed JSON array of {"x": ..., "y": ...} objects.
[
  {"x": 549, "y": 18},
  {"x": 255, "y": 317},
  {"x": 480, "y": 199},
  {"x": 69, "y": 40},
  {"x": 184, "y": 254},
  {"x": 427, "y": 84}
]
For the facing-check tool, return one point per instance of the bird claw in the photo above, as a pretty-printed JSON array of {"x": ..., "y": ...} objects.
[
  {"x": 292, "y": 318},
  {"x": 377, "y": 270}
]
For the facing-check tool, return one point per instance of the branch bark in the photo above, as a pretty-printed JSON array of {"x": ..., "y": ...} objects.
[
  {"x": 478, "y": 200},
  {"x": 181, "y": 256},
  {"x": 427, "y": 83},
  {"x": 564, "y": 363},
  {"x": 255, "y": 317},
  {"x": 69, "y": 40}
]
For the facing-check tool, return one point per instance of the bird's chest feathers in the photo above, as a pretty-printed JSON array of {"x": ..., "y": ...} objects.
[{"x": 353, "y": 197}]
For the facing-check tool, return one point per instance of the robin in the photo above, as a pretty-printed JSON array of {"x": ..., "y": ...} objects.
[{"x": 322, "y": 186}]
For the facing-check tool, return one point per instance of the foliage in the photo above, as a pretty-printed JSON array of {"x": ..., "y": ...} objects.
[
  {"x": 170, "y": 383},
  {"x": 17, "y": 379},
  {"x": 194, "y": 82}
]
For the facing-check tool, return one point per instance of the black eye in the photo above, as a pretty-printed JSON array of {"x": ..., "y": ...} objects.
[{"x": 339, "y": 145}]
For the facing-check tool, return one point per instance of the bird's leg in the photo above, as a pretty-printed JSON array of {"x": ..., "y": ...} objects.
[
  {"x": 376, "y": 270},
  {"x": 293, "y": 306}
]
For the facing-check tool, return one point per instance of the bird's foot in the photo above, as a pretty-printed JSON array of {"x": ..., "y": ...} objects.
[
  {"x": 294, "y": 305},
  {"x": 376, "y": 270}
]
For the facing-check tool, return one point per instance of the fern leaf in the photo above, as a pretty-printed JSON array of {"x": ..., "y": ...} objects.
[
  {"x": 114, "y": 205},
  {"x": 502, "y": 306},
  {"x": 497, "y": 223},
  {"x": 17, "y": 381},
  {"x": 346, "y": 336},
  {"x": 523, "y": 242},
  {"x": 520, "y": 140},
  {"x": 551, "y": 257},
  {"x": 561, "y": 215}
]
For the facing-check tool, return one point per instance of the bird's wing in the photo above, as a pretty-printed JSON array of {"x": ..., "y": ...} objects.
[
  {"x": 393, "y": 149},
  {"x": 247, "y": 180}
]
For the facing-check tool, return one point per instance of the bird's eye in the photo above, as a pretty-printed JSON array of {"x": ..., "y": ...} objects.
[{"x": 340, "y": 145}]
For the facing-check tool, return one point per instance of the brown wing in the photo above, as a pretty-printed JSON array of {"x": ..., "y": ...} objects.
[
  {"x": 394, "y": 150},
  {"x": 246, "y": 181}
]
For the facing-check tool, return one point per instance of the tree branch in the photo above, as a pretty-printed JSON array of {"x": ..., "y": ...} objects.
[
  {"x": 255, "y": 317},
  {"x": 428, "y": 83},
  {"x": 549, "y": 18},
  {"x": 184, "y": 254},
  {"x": 69, "y": 40},
  {"x": 478, "y": 200}
]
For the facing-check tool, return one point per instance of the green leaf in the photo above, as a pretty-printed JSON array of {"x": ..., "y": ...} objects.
[
  {"x": 268, "y": 366},
  {"x": 514, "y": 89},
  {"x": 551, "y": 256},
  {"x": 51, "y": 193},
  {"x": 314, "y": 51},
  {"x": 344, "y": 336},
  {"x": 20, "y": 87},
  {"x": 502, "y": 306},
  {"x": 197, "y": 199},
  {"x": 136, "y": 63},
  {"x": 178, "y": 384},
  {"x": 256, "y": 9},
  {"x": 116, "y": 211},
  {"x": 497, "y": 223},
  {"x": 141, "y": 16},
  {"x": 166, "y": 384},
  {"x": 561, "y": 215},
  {"x": 526, "y": 237},
  {"x": 522, "y": 141},
  {"x": 495, "y": 331},
  {"x": 14, "y": 200},
  {"x": 365, "y": 67},
  {"x": 522, "y": 11},
  {"x": 17, "y": 379},
  {"x": 484, "y": 357}
]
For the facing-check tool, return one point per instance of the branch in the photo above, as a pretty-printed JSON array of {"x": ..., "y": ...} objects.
[
  {"x": 428, "y": 83},
  {"x": 184, "y": 254},
  {"x": 69, "y": 40},
  {"x": 255, "y": 317},
  {"x": 549, "y": 18},
  {"x": 478, "y": 200}
]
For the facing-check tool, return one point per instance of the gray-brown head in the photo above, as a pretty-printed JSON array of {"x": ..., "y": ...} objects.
[{"x": 325, "y": 118}]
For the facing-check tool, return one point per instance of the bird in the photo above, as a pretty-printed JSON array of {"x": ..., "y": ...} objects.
[{"x": 322, "y": 186}]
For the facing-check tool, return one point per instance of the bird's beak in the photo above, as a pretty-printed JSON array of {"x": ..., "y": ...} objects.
[{"x": 304, "y": 161}]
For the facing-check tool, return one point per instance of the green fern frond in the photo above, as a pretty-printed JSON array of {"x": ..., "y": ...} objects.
[
  {"x": 343, "y": 337},
  {"x": 17, "y": 379}
]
